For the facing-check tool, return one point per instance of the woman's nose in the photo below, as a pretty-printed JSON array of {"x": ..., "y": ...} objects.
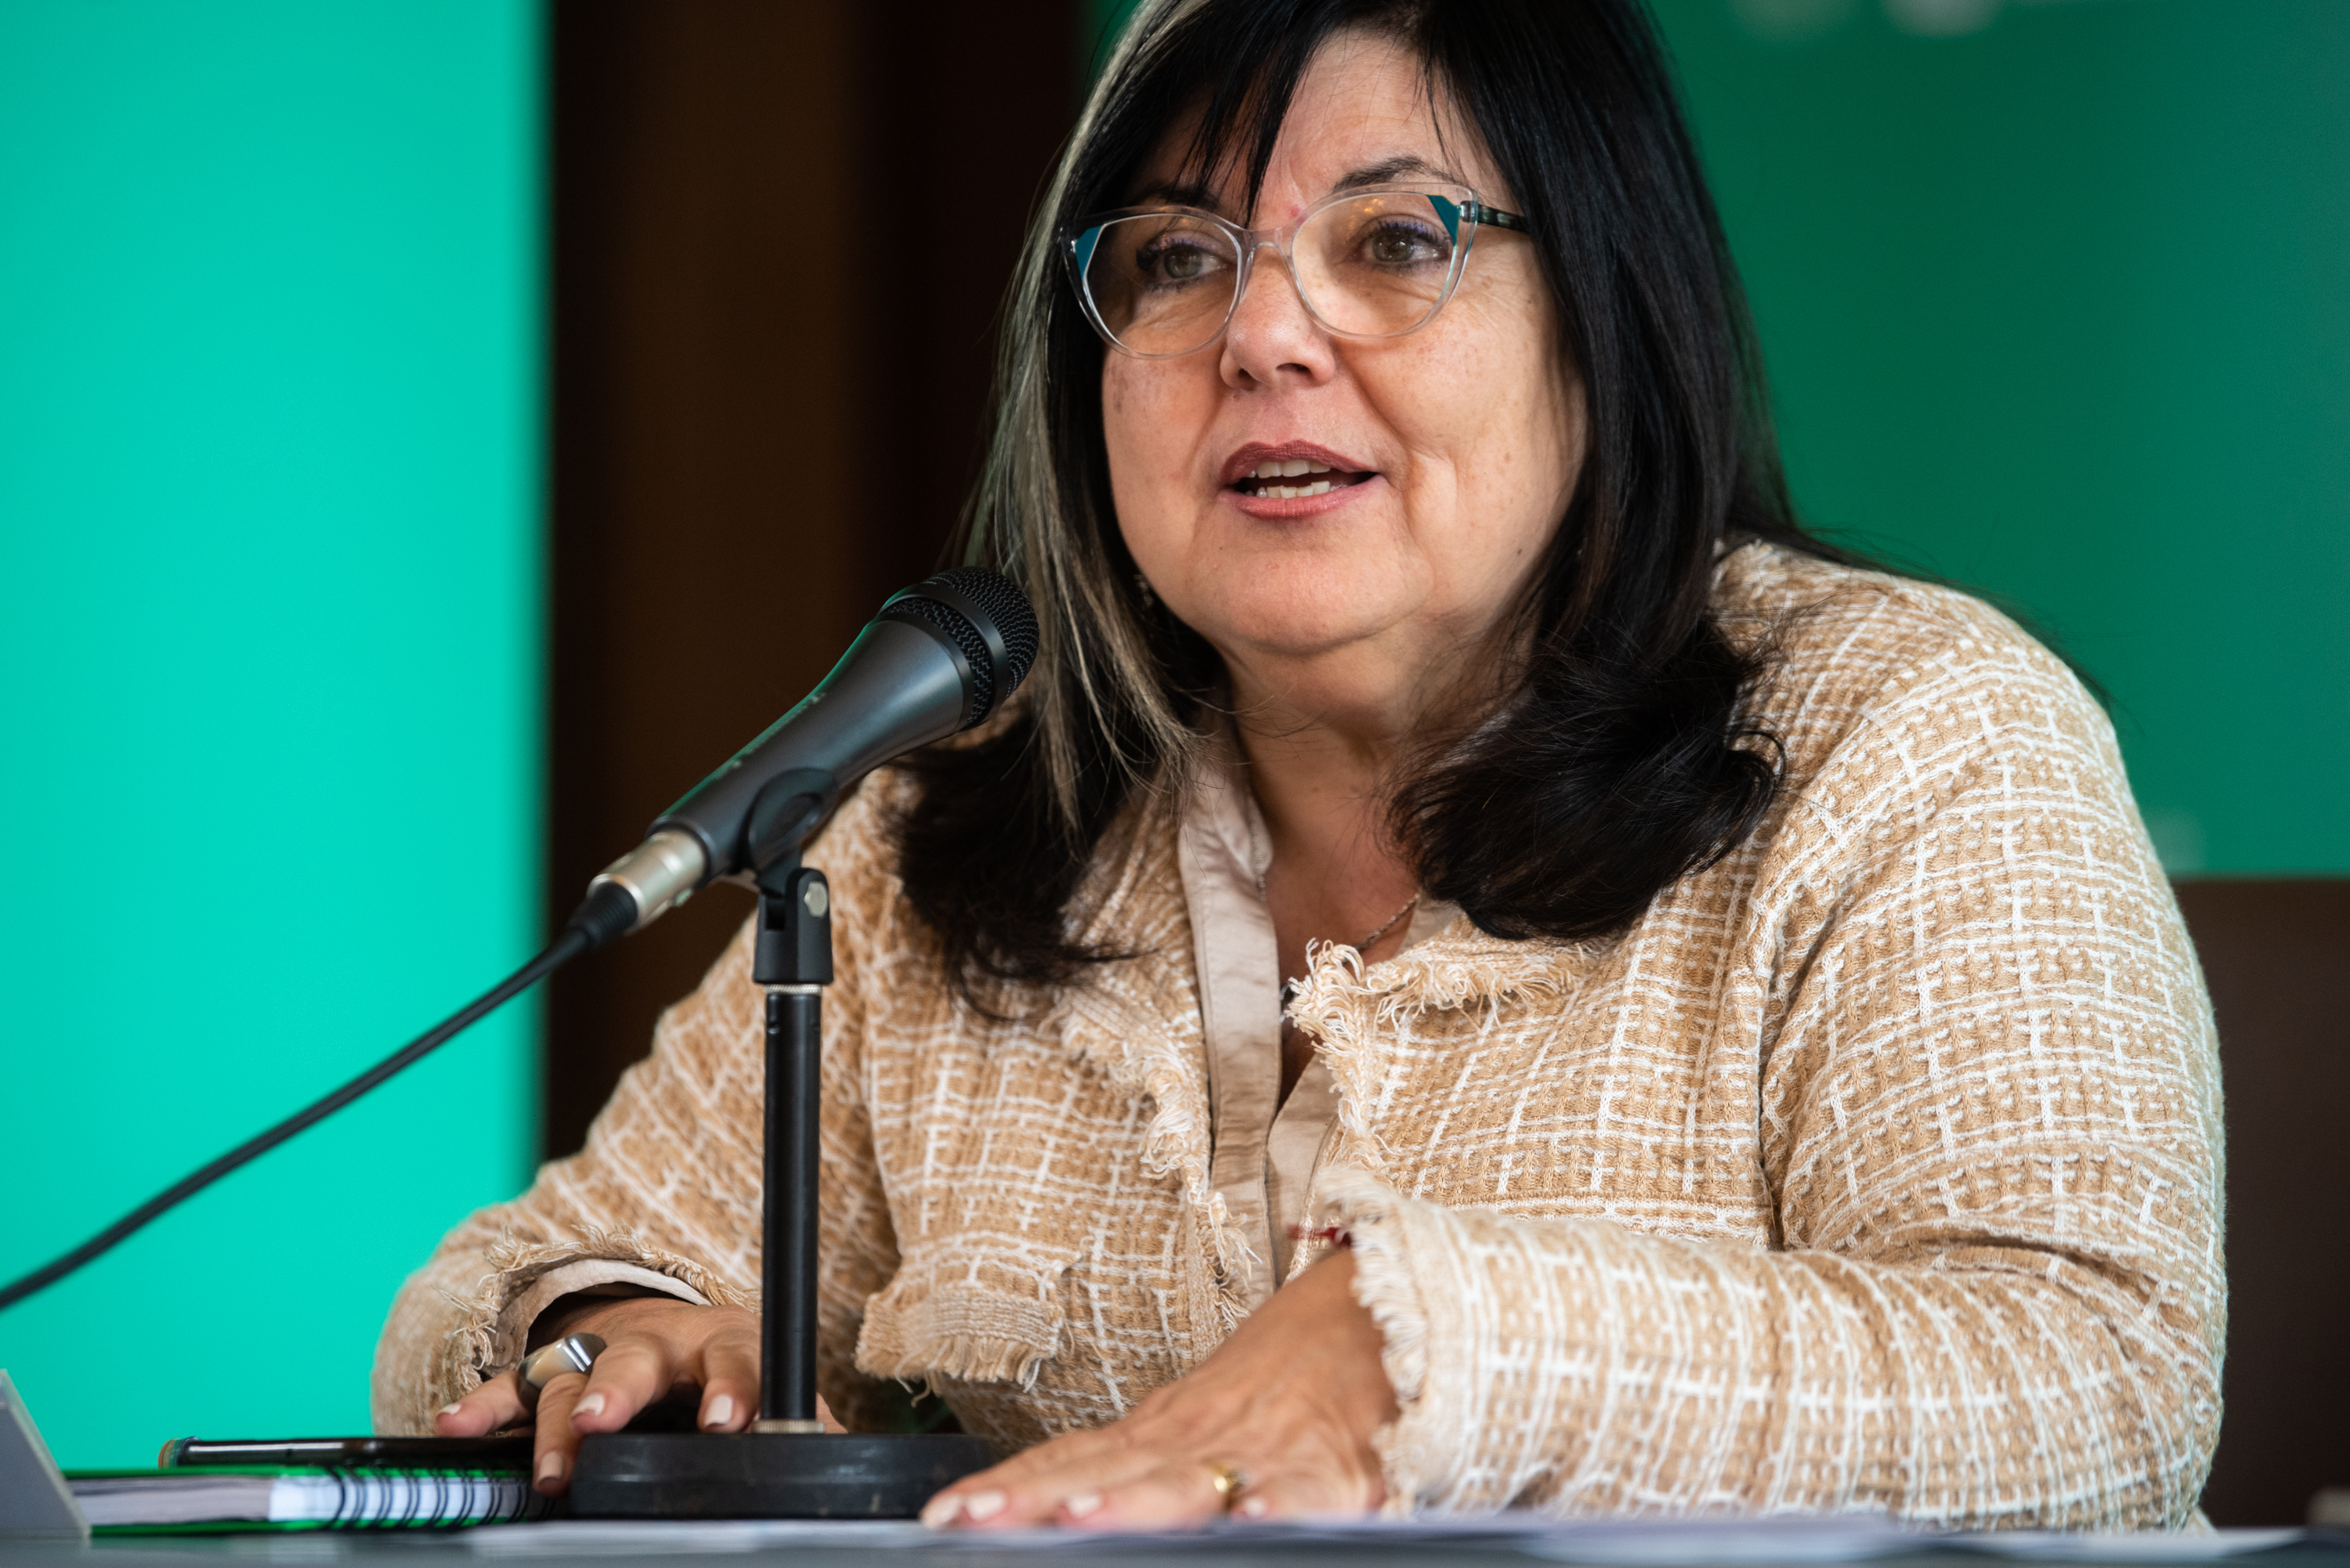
[{"x": 1272, "y": 338}]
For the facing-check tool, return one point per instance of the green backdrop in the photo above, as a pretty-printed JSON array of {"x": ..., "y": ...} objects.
[
  {"x": 269, "y": 682},
  {"x": 2056, "y": 300},
  {"x": 2055, "y": 297}
]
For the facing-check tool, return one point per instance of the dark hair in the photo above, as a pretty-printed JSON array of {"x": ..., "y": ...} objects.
[{"x": 1624, "y": 762}]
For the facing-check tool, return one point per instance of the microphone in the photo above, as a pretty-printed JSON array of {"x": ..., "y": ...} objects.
[{"x": 939, "y": 658}]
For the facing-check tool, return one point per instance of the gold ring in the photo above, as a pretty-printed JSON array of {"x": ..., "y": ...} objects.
[{"x": 1230, "y": 1480}]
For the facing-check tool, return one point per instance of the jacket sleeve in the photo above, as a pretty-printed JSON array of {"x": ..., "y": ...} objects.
[
  {"x": 666, "y": 1193},
  {"x": 1989, "y": 1118}
]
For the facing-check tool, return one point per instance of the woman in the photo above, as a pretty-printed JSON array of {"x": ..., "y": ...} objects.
[{"x": 1487, "y": 970}]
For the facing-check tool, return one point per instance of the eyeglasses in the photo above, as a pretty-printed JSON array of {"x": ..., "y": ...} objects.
[{"x": 1379, "y": 263}]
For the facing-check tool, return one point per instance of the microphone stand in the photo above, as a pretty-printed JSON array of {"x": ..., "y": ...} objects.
[
  {"x": 786, "y": 1466},
  {"x": 793, "y": 961}
]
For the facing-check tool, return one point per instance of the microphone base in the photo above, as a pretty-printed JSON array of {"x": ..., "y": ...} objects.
[{"x": 761, "y": 1475}]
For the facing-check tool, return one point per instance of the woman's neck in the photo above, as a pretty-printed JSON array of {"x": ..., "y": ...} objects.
[
  {"x": 1321, "y": 758},
  {"x": 1334, "y": 874},
  {"x": 1323, "y": 795},
  {"x": 1324, "y": 740}
]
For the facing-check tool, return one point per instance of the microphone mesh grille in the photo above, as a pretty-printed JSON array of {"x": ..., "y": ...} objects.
[
  {"x": 957, "y": 625},
  {"x": 1001, "y": 605},
  {"x": 1015, "y": 622}
]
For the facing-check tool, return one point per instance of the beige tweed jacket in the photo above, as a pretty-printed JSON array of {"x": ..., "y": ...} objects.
[{"x": 1877, "y": 1168}]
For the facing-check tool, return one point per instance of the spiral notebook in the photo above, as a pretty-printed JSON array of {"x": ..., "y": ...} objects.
[
  {"x": 218, "y": 1498},
  {"x": 316, "y": 1483}
]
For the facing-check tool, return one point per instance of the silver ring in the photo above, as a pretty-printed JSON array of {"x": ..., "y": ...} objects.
[{"x": 572, "y": 1352}]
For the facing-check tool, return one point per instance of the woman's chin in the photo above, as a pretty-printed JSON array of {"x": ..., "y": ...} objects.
[
  {"x": 1327, "y": 639},
  {"x": 1307, "y": 610}
]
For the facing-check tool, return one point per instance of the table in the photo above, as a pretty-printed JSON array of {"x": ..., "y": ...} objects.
[{"x": 1482, "y": 1543}]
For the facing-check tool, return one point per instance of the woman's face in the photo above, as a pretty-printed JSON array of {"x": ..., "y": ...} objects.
[{"x": 1454, "y": 450}]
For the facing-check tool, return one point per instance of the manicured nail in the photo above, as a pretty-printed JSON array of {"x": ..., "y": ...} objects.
[
  {"x": 451, "y": 1408},
  {"x": 1084, "y": 1503},
  {"x": 722, "y": 1410},
  {"x": 984, "y": 1505},
  {"x": 551, "y": 1465},
  {"x": 942, "y": 1512},
  {"x": 591, "y": 1405},
  {"x": 1253, "y": 1508}
]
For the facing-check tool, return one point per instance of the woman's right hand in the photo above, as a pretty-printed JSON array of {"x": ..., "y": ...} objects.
[{"x": 651, "y": 1342}]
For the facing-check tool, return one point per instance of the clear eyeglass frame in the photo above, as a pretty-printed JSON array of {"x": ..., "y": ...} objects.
[{"x": 1457, "y": 206}]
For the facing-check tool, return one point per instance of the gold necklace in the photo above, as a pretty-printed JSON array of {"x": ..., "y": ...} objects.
[
  {"x": 1291, "y": 989},
  {"x": 1365, "y": 945}
]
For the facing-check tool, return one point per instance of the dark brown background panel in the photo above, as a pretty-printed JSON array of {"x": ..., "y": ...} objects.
[
  {"x": 2277, "y": 955},
  {"x": 782, "y": 233}
]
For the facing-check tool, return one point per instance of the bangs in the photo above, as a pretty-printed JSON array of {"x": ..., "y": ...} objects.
[{"x": 1237, "y": 69}]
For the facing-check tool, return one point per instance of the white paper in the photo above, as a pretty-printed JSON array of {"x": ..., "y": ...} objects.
[
  {"x": 1596, "y": 1543},
  {"x": 2125, "y": 1546},
  {"x": 597, "y": 1537}
]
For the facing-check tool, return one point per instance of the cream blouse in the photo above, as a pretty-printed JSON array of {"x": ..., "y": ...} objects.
[{"x": 1265, "y": 1148}]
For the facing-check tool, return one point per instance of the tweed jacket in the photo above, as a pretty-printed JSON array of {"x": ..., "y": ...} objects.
[{"x": 1877, "y": 1168}]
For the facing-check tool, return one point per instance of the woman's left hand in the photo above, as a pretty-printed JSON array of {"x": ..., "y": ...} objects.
[{"x": 1289, "y": 1404}]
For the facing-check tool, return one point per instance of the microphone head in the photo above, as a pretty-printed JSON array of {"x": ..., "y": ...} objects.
[{"x": 986, "y": 616}]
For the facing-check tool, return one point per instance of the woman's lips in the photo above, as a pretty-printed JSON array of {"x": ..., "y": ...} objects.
[
  {"x": 1289, "y": 478},
  {"x": 1288, "y": 459},
  {"x": 1301, "y": 496},
  {"x": 1294, "y": 479}
]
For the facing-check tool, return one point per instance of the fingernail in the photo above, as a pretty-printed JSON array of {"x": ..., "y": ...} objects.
[
  {"x": 451, "y": 1408},
  {"x": 1253, "y": 1508},
  {"x": 550, "y": 1466},
  {"x": 941, "y": 1511},
  {"x": 720, "y": 1411},
  {"x": 591, "y": 1405},
  {"x": 1084, "y": 1503},
  {"x": 984, "y": 1505}
]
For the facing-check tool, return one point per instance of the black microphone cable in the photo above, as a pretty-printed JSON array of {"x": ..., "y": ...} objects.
[{"x": 607, "y": 914}]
